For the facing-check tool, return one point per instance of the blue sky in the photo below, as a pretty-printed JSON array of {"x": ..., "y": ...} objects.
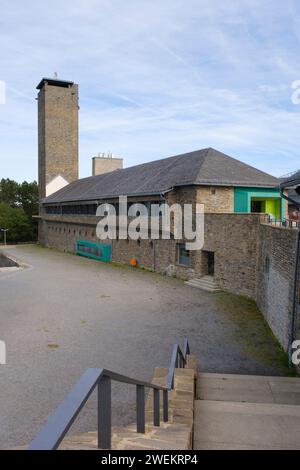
[{"x": 157, "y": 78}]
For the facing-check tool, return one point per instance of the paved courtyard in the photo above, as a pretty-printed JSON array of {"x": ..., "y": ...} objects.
[{"x": 62, "y": 314}]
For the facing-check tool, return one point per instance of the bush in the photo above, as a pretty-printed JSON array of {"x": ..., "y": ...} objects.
[
  {"x": 19, "y": 202},
  {"x": 16, "y": 221}
]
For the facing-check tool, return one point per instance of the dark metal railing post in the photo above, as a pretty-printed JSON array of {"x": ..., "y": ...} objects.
[
  {"x": 140, "y": 408},
  {"x": 104, "y": 413},
  {"x": 156, "y": 409},
  {"x": 165, "y": 406},
  {"x": 186, "y": 348}
]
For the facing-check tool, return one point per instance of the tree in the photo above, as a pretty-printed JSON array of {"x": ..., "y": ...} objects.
[
  {"x": 19, "y": 202},
  {"x": 9, "y": 192},
  {"x": 28, "y": 198},
  {"x": 16, "y": 221}
]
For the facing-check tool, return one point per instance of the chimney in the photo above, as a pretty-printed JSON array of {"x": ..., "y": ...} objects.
[{"x": 106, "y": 162}]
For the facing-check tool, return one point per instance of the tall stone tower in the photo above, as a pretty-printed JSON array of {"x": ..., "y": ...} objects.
[{"x": 57, "y": 134}]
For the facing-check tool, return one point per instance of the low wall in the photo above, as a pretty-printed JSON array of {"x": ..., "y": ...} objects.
[
  {"x": 275, "y": 271},
  {"x": 6, "y": 262},
  {"x": 233, "y": 238}
]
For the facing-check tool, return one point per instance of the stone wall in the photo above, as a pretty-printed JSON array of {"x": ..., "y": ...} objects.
[
  {"x": 102, "y": 165},
  {"x": 233, "y": 239},
  {"x": 251, "y": 258},
  {"x": 216, "y": 199},
  {"x": 275, "y": 271},
  {"x": 62, "y": 232}
]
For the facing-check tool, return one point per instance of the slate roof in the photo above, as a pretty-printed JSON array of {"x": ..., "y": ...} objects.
[
  {"x": 293, "y": 195},
  {"x": 202, "y": 167},
  {"x": 290, "y": 181}
]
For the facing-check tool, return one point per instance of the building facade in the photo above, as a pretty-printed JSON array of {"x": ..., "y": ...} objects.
[{"x": 243, "y": 253}]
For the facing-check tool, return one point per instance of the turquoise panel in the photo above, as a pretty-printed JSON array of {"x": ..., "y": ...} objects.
[
  {"x": 98, "y": 251},
  {"x": 243, "y": 197}
]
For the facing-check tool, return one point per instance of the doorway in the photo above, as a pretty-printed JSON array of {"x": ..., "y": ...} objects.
[
  {"x": 258, "y": 206},
  {"x": 208, "y": 263}
]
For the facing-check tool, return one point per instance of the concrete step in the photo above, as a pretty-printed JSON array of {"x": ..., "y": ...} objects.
[
  {"x": 198, "y": 282},
  {"x": 206, "y": 283},
  {"x": 166, "y": 437},
  {"x": 207, "y": 278},
  {"x": 248, "y": 388},
  {"x": 234, "y": 425},
  {"x": 176, "y": 434}
]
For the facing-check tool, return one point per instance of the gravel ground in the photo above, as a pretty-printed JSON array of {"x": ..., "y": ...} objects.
[{"x": 62, "y": 314}]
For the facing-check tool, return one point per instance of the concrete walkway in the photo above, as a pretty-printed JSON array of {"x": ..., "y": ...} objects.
[
  {"x": 62, "y": 314},
  {"x": 247, "y": 412}
]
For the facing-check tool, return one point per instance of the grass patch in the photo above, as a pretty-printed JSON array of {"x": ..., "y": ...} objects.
[{"x": 253, "y": 333}]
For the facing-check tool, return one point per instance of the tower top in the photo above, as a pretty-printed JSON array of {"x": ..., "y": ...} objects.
[{"x": 54, "y": 82}]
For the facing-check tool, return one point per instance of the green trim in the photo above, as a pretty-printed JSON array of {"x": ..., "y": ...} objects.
[{"x": 101, "y": 251}]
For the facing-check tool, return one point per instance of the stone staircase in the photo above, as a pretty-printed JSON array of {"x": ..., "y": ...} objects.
[
  {"x": 205, "y": 283},
  {"x": 228, "y": 411},
  {"x": 177, "y": 434},
  {"x": 210, "y": 411}
]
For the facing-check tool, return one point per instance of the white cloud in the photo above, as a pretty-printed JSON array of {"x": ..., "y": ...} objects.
[{"x": 156, "y": 78}]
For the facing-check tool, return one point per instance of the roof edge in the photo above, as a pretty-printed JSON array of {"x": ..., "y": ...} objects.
[{"x": 54, "y": 82}]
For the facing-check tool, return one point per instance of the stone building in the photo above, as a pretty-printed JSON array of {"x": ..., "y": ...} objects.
[
  {"x": 225, "y": 186},
  {"x": 242, "y": 252}
]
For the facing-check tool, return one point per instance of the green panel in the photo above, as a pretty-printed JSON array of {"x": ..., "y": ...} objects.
[
  {"x": 240, "y": 200},
  {"x": 98, "y": 251},
  {"x": 270, "y": 197},
  {"x": 273, "y": 208}
]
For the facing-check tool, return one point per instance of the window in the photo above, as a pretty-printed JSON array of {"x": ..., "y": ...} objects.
[
  {"x": 79, "y": 209},
  {"x": 52, "y": 209},
  {"x": 267, "y": 265},
  {"x": 183, "y": 255}
]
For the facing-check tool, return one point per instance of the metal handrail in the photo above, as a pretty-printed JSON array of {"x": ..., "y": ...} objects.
[
  {"x": 178, "y": 359},
  {"x": 59, "y": 423},
  {"x": 284, "y": 223}
]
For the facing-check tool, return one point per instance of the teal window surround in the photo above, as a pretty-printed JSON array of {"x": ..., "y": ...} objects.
[{"x": 243, "y": 196}]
